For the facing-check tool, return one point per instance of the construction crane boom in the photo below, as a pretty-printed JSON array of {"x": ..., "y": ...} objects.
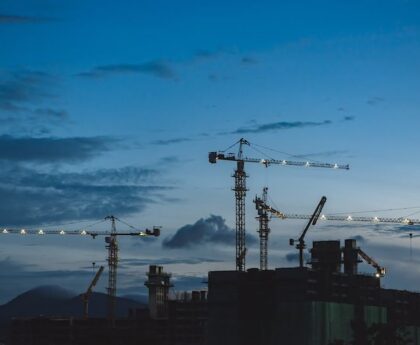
[
  {"x": 380, "y": 271},
  {"x": 111, "y": 246},
  {"x": 399, "y": 220},
  {"x": 240, "y": 187},
  {"x": 312, "y": 221},
  {"x": 88, "y": 292}
]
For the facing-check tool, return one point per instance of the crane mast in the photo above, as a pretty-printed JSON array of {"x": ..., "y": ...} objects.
[
  {"x": 112, "y": 247},
  {"x": 240, "y": 188},
  {"x": 263, "y": 230}
]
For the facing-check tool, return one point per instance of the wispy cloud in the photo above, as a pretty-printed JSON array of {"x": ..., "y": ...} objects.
[
  {"x": 375, "y": 100},
  {"x": 163, "y": 142},
  {"x": 22, "y": 97},
  {"x": 247, "y": 60},
  {"x": 159, "y": 69},
  {"x": 322, "y": 154},
  {"x": 348, "y": 118},
  {"x": 282, "y": 125},
  {"x": 52, "y": 150},
  {"x": 15, "y": 19},
  {"x": 61, "y": 196}
]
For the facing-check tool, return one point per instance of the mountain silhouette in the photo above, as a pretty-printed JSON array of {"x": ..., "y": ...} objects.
[{"x": 54, "y": 300}]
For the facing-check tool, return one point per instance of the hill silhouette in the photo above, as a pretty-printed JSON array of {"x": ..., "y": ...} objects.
[{"x": 52, "y": 300}]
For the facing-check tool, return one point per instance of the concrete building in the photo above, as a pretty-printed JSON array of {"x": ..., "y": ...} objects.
[{"x": 306, "y": 306}]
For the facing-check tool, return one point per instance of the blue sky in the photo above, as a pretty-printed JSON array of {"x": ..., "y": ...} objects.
[{"x": 112, "y": 107}]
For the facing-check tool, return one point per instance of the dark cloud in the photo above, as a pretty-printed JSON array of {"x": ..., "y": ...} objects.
[
  {"x": 51, "y": 113},
  {"x": 294, "y": 257},
  {"x": 341, "y": 109},
  {"x": 18, "y": 89},
  {"x": 247, "y": 60},
  {"x": 163, "y": 142},
  {"x": 50, "y": 149},
  {"x": 209, "y": 230},
  {"x": 157, "y": 69},
  {"x": 375, "y": 100},
  {"x": 348, "y": 118},
  {"x": 166, "y": 261},
  {"x": 36, "y": 198},
  {"x": 14, "y": 19},
  {"x": 322, "y": 154},
  {"x": 282, "y": 125},
  {"x": 22, "y": 98}
]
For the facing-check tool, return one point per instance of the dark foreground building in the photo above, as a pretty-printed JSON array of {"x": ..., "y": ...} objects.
[{"x": 320, "y": 305}]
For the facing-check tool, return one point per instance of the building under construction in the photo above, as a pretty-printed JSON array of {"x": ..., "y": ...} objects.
[{"x": 318, "y": 305}]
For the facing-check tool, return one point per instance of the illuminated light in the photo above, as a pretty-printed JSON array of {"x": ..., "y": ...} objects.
[
  {"x": 336, "y": 166},
  {"x": 323, "y": 217},
  {"x": 41, "y": 232},
  {"x": 376, "y": 219},
  {"x": 377, "y": 275},
  {"x": 283, "y": 162},
  {"x": 406, "y": 221},
  {"x": 23, "y": 232},
  {"x": 83, "y": 233},
  {"x": 5, "y": 231},
  {"x": 349, "y": 218},
  {"x": 142, "y": 234},
  {"x": 307, "y": 164},
  {"x": 263, "y": 161},
  {"x": 62, "y": 232}
]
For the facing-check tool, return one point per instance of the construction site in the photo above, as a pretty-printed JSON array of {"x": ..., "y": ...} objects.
[{"x": 325, "y": 300}]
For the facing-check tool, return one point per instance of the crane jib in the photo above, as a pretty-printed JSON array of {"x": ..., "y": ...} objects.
[{"x": 215, "y": 156}]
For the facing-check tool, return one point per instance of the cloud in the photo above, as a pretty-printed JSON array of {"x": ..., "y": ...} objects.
[
  {"x": 22, "y": 97},
  {"x": 322, "y": 154},
  {"x": 246, "y": 60},
  {"x": 50, "y": 149},
  {"x": 166, "y": 261},
  {"x": 15, "y": 19},
  {"x": 36, "y": 198},
  {"x": 164, "y": 142},
  {"x": 19, "y": 88},
  {"x": 348, "y": 118},
  {"x": 282, "y": 125},
  {"x": 375, "y": 100},
  {"x": 157, "y": 69},
  {"x": 294, "y": 257},
  {"x": 210, "y": 230}
]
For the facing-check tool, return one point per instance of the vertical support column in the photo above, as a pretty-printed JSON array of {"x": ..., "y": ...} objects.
[
  {"x": 112, "y": 247},
  {"x": 240, "y": 193},
  {"x": 264, "y": 230}
]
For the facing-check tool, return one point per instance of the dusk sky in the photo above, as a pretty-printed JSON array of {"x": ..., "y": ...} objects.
[{"x": 111, "y": 107}]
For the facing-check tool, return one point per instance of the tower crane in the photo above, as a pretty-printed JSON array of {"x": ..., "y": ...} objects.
[
  {"x": 240, "y": 187},
  {"x": 380, "y": 271},
  {"x": 111, "y": 245},
  {"x": 312, "y": 221},
  {"x": 263, "y": 208},
  {"x": 88, "y": 292}
]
